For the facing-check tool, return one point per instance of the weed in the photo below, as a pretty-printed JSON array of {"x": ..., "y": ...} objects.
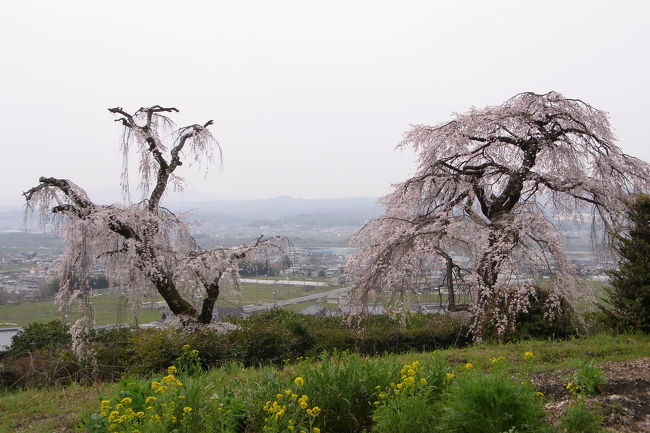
[
  {"x": 587, "y": 379},
  {"x": 491, "y": 403},
  {"x": 578, "y": 419}
]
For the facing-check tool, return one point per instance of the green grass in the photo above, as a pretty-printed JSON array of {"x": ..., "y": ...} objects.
[
  {"x": 252, "y": 293},
  {"x": 291, "y": 278},
  {"x": 49, "y": 410},
  {"x": 58, "y": 410},
  {"x": 110, "y": 307},
  {"x": 548, "y": 355}
]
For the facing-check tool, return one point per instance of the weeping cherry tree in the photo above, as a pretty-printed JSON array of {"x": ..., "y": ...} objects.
[
  {"x": 486, "y": 188},
  {"x": 144, "y": 245}
]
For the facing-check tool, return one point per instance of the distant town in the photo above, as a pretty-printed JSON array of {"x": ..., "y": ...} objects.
[{"x": 319, "y": 230}]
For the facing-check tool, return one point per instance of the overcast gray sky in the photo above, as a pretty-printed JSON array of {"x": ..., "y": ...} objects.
[{"x": 309, "y": 98}]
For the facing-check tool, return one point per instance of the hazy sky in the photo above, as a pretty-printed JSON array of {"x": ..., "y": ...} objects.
[{"x": 309, "y": 98}]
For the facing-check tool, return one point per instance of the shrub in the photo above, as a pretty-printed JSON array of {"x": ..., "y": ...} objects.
[
  {"x": 264, "y": 343},
  {"x": 491, "y": 403},
  {"x": 155, "y": 349},
  {"x": 578, "y": 419},
  {"x": 42, "y": 337},
  {"x": 113, "y": 351},
  {"x": 271, "y": 338}
]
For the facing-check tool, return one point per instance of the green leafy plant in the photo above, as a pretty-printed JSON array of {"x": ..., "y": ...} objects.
[
  {"x": 578, "y": 419},
  {"x": 405, "y": 414},
  {"x": 587, "y": 379},
  {"x": 491, "y": 402},
  {"x": 408, "y": 406},
  {"x": 176, "y": 402},
  {"x": 343, "y": 385}
]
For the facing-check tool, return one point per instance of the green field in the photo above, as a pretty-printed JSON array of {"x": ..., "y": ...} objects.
[
  {"x": 110, "y": 307},
  {"x": 6, "y": 267}
]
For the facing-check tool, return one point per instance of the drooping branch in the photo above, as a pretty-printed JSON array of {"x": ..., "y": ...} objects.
[
  {"x": 152, "y": 148},
  {"x": 494, "y": 176},
  {"x": 144, "y": 244}
]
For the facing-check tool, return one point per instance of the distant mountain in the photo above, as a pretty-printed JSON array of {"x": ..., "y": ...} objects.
[
  {"x": 276, "y": 211},
  {"x": 282, "y": 206}
]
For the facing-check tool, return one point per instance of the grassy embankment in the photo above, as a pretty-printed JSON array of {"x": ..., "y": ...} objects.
[{"x": 58, "y": 410}]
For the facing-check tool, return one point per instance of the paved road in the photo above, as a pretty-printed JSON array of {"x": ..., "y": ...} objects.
[
  {"x": 283, "y": 282},
  {"x": 307, "y": 298}
]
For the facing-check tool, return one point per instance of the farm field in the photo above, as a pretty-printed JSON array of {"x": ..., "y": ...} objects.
[{"x": 110, "y": 307}]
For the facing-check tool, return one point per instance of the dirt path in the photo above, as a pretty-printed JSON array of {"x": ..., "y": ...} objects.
[{"x": 624, "y": 400}]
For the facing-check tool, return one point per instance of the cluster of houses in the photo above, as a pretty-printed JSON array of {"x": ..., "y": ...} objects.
[{"x": 23, "y": 275}]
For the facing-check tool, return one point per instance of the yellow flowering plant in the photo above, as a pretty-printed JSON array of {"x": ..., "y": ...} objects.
[
  {"x": 405, "y": 406},
  {"x": 156, "y": 407},
  {"x": 153, "y": 406},
  {"x": 291, "y": 411},
  {"x": 189, "y": 361}
]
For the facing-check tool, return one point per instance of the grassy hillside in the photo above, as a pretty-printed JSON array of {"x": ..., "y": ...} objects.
[{"x": 59, "y": 410}]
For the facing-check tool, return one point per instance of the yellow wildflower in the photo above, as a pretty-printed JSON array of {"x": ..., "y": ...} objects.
[
  {"x": 528, "y": 355},
  {"x": 299, "y": 381},
  {"x": 150, "y": 399},
  {"x": 185, "y": 347},
  {"x": 316, "y": 430},
  {"x": 171, "y": 369},
  {"x": 187, "y": 410},
  {"x": 450, "y": 375},
  {"x": 469, "y": 366},
  {"x": 423, "y": 381},
  {"x": 539, "y": 394}
]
